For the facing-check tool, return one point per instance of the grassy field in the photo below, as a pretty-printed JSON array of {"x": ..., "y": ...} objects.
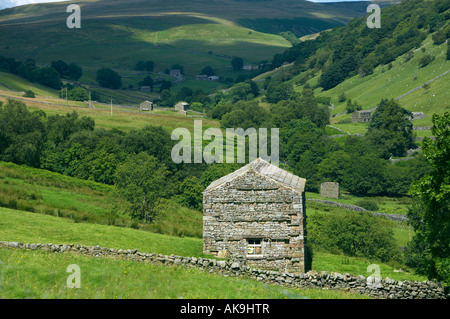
[
  {"x": 123, "y": 118},
  {"x": 28, "y": 227},
  {"x": 36, "y": 228},
  {"x": 44, "y": 192},
  {"x": 61, "y": 209},
  {"x": 11, "y": 82},
  {"x": 387, "y": 205},
  {"x": 37, "y": 274}
]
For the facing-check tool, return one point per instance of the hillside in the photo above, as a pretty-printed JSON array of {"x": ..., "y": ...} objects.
[
  {"x": 365, "y": 66},
  {"x": 396, "y": 82},
  {"x": 198, "y": 33}
]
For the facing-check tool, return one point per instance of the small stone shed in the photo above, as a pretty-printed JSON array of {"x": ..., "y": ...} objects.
[
  {"x": 182, "y": 107},
  {"x": 256, "y": 215},
  {"x": 146, "y": 106},
  {"x": 329, "y": 190}
]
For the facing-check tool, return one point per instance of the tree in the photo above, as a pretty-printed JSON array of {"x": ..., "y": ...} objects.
[
  {"x": 109, "y": 78},
  {"x": 140, "y": 180},
  {"x": 29, "y": 93},
  {"x": 165, "y": 85},
  {"x": 74, "y": 72},
  {"x": 207, "y": 70},
  {"x": 148, "y": 66},
  {"x": 429, "y": 251},
  {"x": 390, "y": 129},
  {"x": 355, "y": 234},
  {"x": 147, "y": 81},
  {"x": 48, "y": 77},
  {"x": 21, "y": 134},
  {"x": 140, "y": 66},
  {"x": 237, "y": 63},
  {"x": 425, "y": 60},
  {"x": 277, "y": 92},
  {"x": 191, "y": 193},
  {"x": 145, "y": 66},
  {"x": 78, "y": 94},
  {"x": 242, "y": 91},
  {"x": 61, "y": 67},
  {"x": 178, "y": 67}
]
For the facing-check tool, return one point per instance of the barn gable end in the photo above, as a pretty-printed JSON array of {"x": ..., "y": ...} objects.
[{"x": 257, "y": 215}]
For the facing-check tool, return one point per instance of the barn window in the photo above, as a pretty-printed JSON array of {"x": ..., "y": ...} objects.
[{"x": 254, "y": 247}]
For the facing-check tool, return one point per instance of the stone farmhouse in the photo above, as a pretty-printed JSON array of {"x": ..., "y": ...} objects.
[
  {"x": 361, "y": 116},
  {"x": 256, "y": 216}
]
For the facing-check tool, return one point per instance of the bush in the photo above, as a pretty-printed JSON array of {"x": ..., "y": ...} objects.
[
  {"x": 357, "y": 234},
  {"x": 109, "y": 78},
  {"x": 367, "y": 204},
  {"x": 425, "y": 60},
  {"x": 29, "y": 93}
]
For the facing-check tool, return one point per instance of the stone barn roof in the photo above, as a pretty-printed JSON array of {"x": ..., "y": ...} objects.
[{"x": 266, "y": 169}]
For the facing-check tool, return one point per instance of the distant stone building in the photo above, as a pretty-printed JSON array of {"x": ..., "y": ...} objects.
[
  {"x": 175, "y": 73},
  {"x": 146, "y": 88},
  {"x": 256, "y": 215},
  {"x": 201, "y": 77},
  {"x": 182, "y": 107},
  {"x": 329, "y": 190},
  {"x": 361, "y": 116},
  {"x": 146, "y": 106},
  {"x": 249, "y": 67},
  {"x": 214, "y": 78}
]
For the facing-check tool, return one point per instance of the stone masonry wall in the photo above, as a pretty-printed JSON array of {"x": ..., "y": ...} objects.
[
  {"x": 253, "y": 206},
  {"x": 329, "y": 190},
  {"x": 385, "y": 288}
]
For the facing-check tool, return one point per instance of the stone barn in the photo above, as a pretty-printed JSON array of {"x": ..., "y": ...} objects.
[
  {"x": 256, "y": 215},
  {"x": 182, "y": 107},
  {"x": 146, "y": 106},
  {"x": 329, "y": 190}
]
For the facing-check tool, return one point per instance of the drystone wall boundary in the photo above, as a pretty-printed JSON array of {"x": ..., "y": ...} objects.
[
  {"x": 376, "y": 288},
  {"x": 395, "y": 217}
]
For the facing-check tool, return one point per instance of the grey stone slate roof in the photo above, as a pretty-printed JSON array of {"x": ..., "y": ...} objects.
[{"x": 266, "y": 169}]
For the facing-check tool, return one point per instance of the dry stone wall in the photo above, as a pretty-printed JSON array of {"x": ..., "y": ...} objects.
[
  {"x": 395, "y": 217},
  {"x": 385, "y": 288}
]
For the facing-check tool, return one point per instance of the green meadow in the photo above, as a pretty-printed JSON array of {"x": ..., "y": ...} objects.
[
  {"x": 41, "y": 275},
  {"x": 43, "y": 192}
]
